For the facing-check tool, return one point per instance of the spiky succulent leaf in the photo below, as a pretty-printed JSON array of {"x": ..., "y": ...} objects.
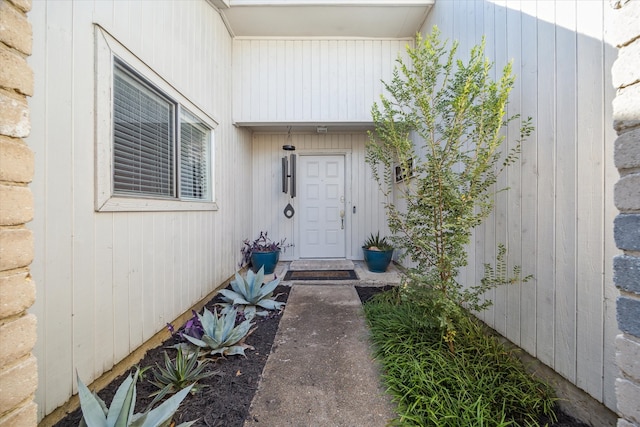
[
  {"x": 270, "y": 304},
  {"x": 248, "y": 293},
  {"x": 233, "y": 297},
  {"x": 224, "y": 332},
  {"x": 162, "y": 414},
  {"x": 92, "y": 412}
]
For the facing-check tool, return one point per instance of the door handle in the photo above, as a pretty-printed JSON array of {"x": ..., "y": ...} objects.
[{"x": 342, "y": 219}]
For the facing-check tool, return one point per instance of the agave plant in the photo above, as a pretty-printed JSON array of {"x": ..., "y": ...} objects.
[
  {"x": 95, "y": 412},
  {"x": 220, "y": 335},
  {"x": 178, "y": 374},
  {"x": 250, "y": 293}
]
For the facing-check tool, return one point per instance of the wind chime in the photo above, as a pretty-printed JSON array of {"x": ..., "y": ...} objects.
[{"x": 289, "y": 175}]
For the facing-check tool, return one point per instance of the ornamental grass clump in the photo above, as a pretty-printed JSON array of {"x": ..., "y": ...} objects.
[{"x": 481, "y": 384}]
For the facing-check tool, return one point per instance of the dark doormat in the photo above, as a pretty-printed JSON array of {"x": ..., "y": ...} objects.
[{"x": 321, "y": 275}]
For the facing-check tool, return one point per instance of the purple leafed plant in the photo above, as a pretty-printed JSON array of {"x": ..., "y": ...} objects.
[
  {"x": 193, "y": 327},
  {"x": 262, "y": 244}
]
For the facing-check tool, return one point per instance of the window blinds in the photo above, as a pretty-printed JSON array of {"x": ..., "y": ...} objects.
[
  {"x": 143, "y": 138},
  {"x": 194, "y": 154}
]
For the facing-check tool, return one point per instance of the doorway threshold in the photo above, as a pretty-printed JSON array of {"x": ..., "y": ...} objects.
[{"x": 321, "y": 264}]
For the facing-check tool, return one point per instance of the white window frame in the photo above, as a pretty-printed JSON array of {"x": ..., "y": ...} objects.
[{"x": 107, "y": 48}]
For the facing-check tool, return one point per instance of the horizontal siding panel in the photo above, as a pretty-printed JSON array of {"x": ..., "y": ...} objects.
[{"x": 287, "y": 81}]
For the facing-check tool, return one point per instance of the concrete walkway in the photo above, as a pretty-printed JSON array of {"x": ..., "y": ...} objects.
[{"x": 320, "y": 371}]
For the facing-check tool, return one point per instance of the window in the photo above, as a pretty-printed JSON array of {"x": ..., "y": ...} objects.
[{"x": 155, "y": 151}]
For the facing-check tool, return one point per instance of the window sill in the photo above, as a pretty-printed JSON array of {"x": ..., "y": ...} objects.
[{"x": 126, "y": 204}]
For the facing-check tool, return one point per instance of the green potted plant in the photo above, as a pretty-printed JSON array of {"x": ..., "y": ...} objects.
[
  {"x": 377, "y": 253},
  {"x": 261, "y": 252}
]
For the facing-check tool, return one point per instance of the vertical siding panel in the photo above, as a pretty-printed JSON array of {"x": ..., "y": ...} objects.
[
  {"x": 150, "y": 288},
  {"x": 254, "y": 86},
  {"x": 323, "y": 80},
  {"x": 57, "y": 213},
  {"x": 529, "y": 161},
  {"x": 546, "y": 184},
  {"x": 104, "y": 349},
  {"x": 120, "y": 285},
  {"x": 272, "y": 71},
  {"x": 590, "y": 212},
  {"x": 135, "y": 278},
  {"x": 280, "y": 81},
  {"x": 360, "y": 77},
  {"x": 566, "y": 190},
  {"x": 84, "y": 291},
  {"x": 488, "y": 248},
  {"x": 514, "y": 194},
  {"x": 333, "y": 81},
  {"x": 340, "y": 97},
  {"x": 372, "y": 64},
  {"x": 300, "y": 83},
  {"x": 501, "y": 212}
]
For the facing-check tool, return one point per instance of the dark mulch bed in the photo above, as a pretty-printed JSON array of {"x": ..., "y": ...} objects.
[{"x": 226, "y": 400}]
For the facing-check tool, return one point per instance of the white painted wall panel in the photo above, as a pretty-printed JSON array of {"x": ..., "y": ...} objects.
[
  {"x": 557, "y": 216},
  {"x": 361, "y": 189},
  {"x": 108, "y": 281},
  {"x": 310, "y": 80}
]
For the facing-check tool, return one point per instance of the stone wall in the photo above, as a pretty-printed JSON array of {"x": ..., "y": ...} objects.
[
  {"x": 626, "y": 115},
  {"x": 18, "y": 373}
]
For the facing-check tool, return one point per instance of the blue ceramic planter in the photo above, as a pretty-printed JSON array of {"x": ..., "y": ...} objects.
[
  {"x": 266, "y": 259},
  {"x": 377, "y": 261}
]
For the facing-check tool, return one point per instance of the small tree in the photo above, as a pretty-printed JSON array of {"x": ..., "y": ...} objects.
[{"x": 441, "y": 124}]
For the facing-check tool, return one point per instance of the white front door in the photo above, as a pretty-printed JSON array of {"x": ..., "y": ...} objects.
[{"x": 321, "y": 197}]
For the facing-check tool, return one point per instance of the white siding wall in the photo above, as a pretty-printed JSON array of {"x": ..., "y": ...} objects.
[
  {"x": 556, "y": 218},
  {"x": 301, "y": 81},
  {"x": 361, "y": 189},
  {"x": 108, "y": 281}
]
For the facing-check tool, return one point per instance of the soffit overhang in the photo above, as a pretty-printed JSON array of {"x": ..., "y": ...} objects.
[{"x": 324, "y": 18}]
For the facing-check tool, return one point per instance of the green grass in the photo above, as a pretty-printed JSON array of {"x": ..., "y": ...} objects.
[{"x": 482, "y": 384}]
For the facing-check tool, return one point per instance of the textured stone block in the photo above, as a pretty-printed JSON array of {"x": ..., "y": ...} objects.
[
  {"x": 626, "y": 273},
  {"x": 626, "y": 108},
  {"x": 15, "y": 73},
  {"x": 17, "y": 293},
  {"x": 626, "y": 193},
  {"x": 626, "y": 232},
  {"x": 625, "y": 69},
  {"x": 15, "y": 29},
  {"x": 625, "y": 24},
  {"x": 16, "y": 205},
  {"x": 628, "y": 356},
  {"x": 18, "y": 338},
  {"x": 628, "y": 315},
  {"x": 23, "y": 5},
  {"x": 627, "y": 149},
  {"x": 16, "y": 248},
  {"x": 17, "y": 383},
  {"x": 628, "y": 395},
  {"x": 14, "y": 115},
  {"x": 23, "y": 416},
  {"x": 16, "y": 160}
]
